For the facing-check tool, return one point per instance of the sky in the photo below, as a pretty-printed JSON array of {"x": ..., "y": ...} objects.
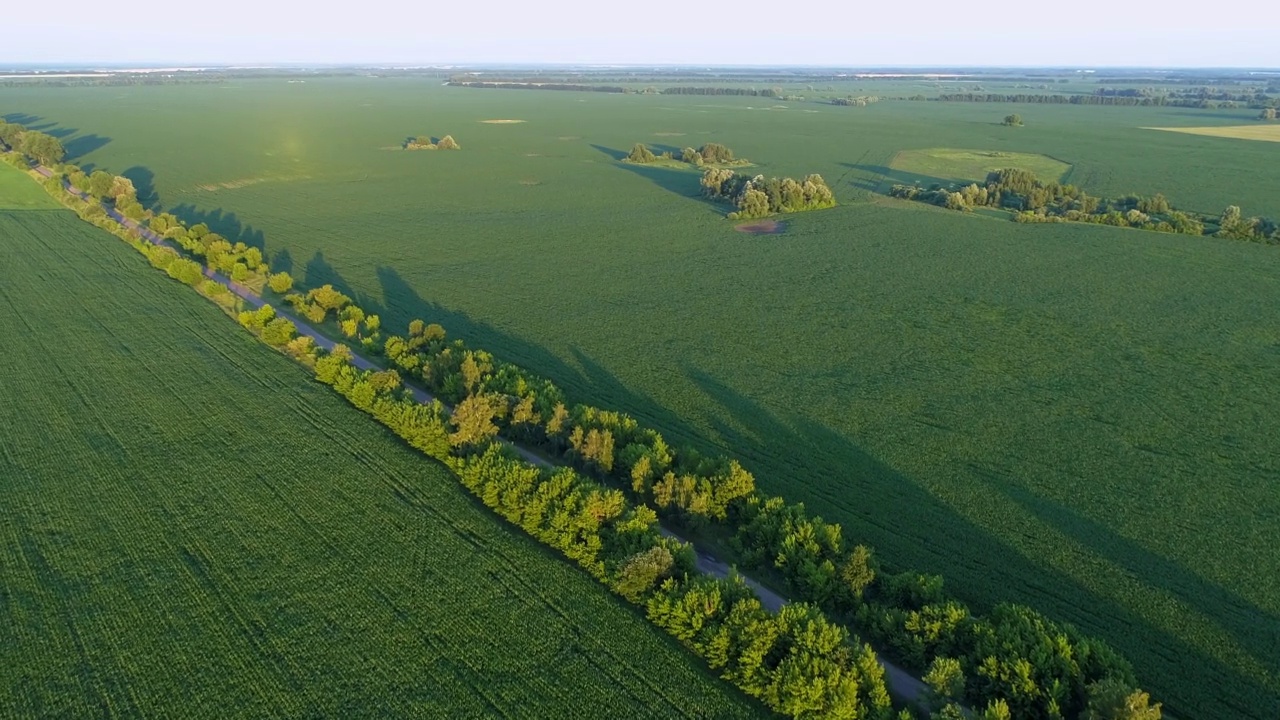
[{"x": 849, "y": 33}]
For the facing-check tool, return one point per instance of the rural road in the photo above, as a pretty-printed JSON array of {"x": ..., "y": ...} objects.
[{"x": 902, "y": 684}]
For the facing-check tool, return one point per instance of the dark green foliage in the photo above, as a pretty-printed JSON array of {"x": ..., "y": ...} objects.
[
  {"x": 757, "y": 197},
  {"x": 640, "y": 153},
  {"x": 1034, "y": 201}
]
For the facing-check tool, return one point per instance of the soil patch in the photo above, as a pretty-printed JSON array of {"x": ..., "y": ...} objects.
[
  {"x": 762, "y": 227},
  {"x": 668, "y": 134},
  {"x": 502, "y": 122}
]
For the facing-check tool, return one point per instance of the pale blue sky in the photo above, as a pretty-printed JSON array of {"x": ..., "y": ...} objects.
[{"x": 758, "y": 32}]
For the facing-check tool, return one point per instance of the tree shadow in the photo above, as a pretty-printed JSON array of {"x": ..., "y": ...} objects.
[
  {"x": 144, "y": 181},
  {"x": 78, "y": 147},
  {"x": 18, "y": 118},
  {"x": 226, "y": 224},
  {"x": 282, "y": 261},
  {"x": 615, "y": 154},
  {"x": 883, "y": 178},
  {"x": 879, "y": 506},
  {"x": 318, "y": 271},
  {"x": 1252, "y": 627}
]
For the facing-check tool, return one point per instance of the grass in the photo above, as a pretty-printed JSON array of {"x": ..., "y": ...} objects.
[
  {"x": 193, "y": 528},
  {"x": 18, "y": 192},
  {"x": 955, "y": 165},
  {"x": 1087, "y": 413},
  {"x": 1259, "y": 131}
]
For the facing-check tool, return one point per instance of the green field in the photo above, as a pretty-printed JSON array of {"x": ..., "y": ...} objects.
[
  {"x": 1080, "y": 418},
  {"x": 18, "y": 192},
  {"x": 952, "y": 165},
  {"x": 194, "y": 529}
]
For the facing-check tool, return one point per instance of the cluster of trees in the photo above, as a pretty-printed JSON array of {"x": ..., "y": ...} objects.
[
  {"x": 1267, "y": 114},
  {"x": 115, "y": 190},
  {"x": 757, "y": 196},
  {"x": 1032, "y": 201},
  {"x": 41, "y": 147},
  {"x": 708, "y": 154},
  {"x": 1014, "y": 120},
  {"x": 859, "y": 101},
  {"x": 426, "y": 142},
  {"x": 603, "y": 514},
  {"x": 240, "y": 262}
]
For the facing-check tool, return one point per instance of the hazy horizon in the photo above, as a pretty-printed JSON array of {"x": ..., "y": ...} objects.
[{"x": 927, "y": 33}]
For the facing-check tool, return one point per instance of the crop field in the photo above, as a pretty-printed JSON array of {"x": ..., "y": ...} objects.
[
  {"x": 1267, "y": 132},
  {"x": 18, "y": 192},
  {"x": 953, "y": 165},
  {"x": 192, "y": 528},
  {"x": 1080, "y": 418}
]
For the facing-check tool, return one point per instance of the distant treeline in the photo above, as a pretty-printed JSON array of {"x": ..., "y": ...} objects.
[
  {"x": 540, "y": 86},
  {"x": 1123, "y": 98},
  {"x": 1033, "y": 201},
  {"x": 1011, "y": 662}
]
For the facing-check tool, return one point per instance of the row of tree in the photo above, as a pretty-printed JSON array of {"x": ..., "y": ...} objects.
[
  {"x": 1031, "y": 201},
  {"x": 426, "y": 142},
  {"x": 41, "y": 147},
  {"x": 1011, "y": 661},
  {"x": 708, "y": 154},
  {"x": 859, "y": 101},
  {"x": 1059, "y": 99},
  {"x": 756, "y": 197},
  {"x": 798, "y": 662}
]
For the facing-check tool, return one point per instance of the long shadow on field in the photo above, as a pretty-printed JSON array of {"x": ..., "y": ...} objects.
[
  {"x": 1253, "y": 628},
  {"x": 78, "y": 147},
  {"x": 282, "y": 261},
  {"x": 318, "y": 271},
  {"x": 18, "y": 118},
  {"x": 911, "y": 529},
  {"x": 684, "y": 183},
  {"x": 226, "y": 224},
  {"x": 882, "y": 178},
  {"x": 144, "y": 181}
]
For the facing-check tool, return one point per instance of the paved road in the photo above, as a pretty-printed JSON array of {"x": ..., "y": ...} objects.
[{"x": 902, "y": 685}]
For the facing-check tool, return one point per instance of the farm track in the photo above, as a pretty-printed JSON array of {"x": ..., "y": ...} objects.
[{"x": 902, "y": 684}]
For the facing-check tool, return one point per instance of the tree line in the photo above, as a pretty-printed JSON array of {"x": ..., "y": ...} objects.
[
  {"x": 602, "y": 512},
  {"x": 1058, "y": 99},
  {"x": 426, "y": 142},
  {"x": 1033, "y": 201},
  {"x": 755, "y": 197},
  {"x": 708, "y": 154},
  {"x": 41, "y": 147}
]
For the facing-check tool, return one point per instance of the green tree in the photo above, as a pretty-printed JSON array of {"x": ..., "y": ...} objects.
[
  {"x": 448, "y": 143},
  {"x": 472, "y": 421},
  {"x": 1114, "y": 699},
  {"x": 1014, "y": 120},
  {"x": 1268, "y": 114},
  {"x": 858, "y": 571},
  {"x": 100, "y": 183},
  {"x": 945, "y": 680},
  {"x": 640, "y": 153}
]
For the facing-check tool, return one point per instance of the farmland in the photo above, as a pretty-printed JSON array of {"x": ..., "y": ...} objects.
[
  {"x": 193, "y": 528},
  {"x": 1079, "y": 418},
  {"x": 973, "y": 165},
  {"x": 17, "y": 192}
]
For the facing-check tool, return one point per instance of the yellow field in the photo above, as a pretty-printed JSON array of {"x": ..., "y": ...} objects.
[{"x": 1265, "y": 132}]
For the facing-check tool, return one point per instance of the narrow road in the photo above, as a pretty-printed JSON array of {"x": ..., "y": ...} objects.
[{"x": 902, "y": 684}]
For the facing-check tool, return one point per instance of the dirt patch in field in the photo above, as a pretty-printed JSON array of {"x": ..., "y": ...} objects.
[
  {"x": 246, "y": 182},
  {"x": 530, "y": 182},
  {"x": 1265, "y": 133},
  {"x": 502, "y": 122},
  {"x": 762, "y": 227},
  {"x": 569, "y": 137},
  {"x": 668, "y": 134}
]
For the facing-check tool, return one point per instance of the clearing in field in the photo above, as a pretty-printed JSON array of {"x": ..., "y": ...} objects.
[
  {"x": 762, "y": 227},
  {"x": 18, "y": 192},
  {"x": 502, "y": 122},
  {"x": 957, "y": 165},
  {"x": 1266, "y": 133}
]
